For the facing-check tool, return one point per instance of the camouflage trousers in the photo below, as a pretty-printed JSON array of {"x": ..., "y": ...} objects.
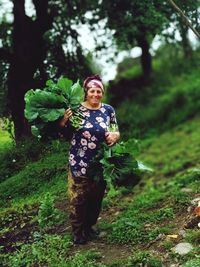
[{"x": 85, "y": 197}]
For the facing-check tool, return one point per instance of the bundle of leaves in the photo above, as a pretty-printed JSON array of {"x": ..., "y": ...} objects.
[
  {"x": 44, "y": 107},
  {"x": 117, "y": 165}
]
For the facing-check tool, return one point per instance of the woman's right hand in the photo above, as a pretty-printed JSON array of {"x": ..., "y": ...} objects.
[{"x": 68, "y": 113}]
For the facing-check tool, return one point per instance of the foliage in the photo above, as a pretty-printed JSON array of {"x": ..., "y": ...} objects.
[
  {"x": 193, "y": 236},
  {"x": 145, "y": 17},
  {"x": 85, "y": 259},
  {"x": 51, "y": 250},
  {"x": 117, "y": 164},
  {"x": 138, "y": 223},
  {"x": 47, "y": 249},
  {"x": 48, "y": 215},
  {"x": 142, "y": 259},
  {"x": 48, "y": 105},
  {"x": 15, "y": 157},
  {"x": 143, "y": 216},
  {"x": 168, "y": 99},
  {"x": 192, "y": 263},
  {"x": 38, "y": 177}
]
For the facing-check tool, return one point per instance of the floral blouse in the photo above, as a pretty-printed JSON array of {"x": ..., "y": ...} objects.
[{"x": 87, "y": 139}]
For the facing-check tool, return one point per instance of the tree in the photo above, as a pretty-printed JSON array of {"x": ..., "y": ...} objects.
[
  {"x": 33, "y": 50},
  {"x": 185, "y": 16},
  {"x": 135, "y": 23}
]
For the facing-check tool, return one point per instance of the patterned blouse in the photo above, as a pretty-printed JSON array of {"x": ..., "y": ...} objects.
[{"x": 87, "y": 139}]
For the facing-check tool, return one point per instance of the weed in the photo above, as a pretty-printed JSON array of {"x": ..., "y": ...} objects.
[
  {"x": 85, "y": 259},
  {"x": 48, "y": 215},
  {"x": 192, "y": 263},
  {"x": 143, "y": 259},
  {"x": 168, "y": 244},
  {"x": 48, "y": 250},
  {"x": 193, "y": 236}
]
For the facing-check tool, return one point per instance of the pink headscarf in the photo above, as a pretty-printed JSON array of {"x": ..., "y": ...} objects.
[{"x": 93, "y": 81}]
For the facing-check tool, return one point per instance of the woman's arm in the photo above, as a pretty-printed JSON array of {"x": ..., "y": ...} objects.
[{"x": 65, "y": 118}]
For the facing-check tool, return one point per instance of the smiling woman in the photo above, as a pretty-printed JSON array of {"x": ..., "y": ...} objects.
[{"x": 85, "y": 192}]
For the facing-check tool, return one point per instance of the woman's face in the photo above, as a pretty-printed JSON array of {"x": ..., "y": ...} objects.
[{"x": 94, "y": 96}]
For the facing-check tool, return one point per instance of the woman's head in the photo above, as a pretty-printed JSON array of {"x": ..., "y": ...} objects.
[{"x": 93, "y": 82}]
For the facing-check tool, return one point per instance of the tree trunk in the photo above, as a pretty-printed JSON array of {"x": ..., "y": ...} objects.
[
  {"x": 29, "y": 52},
  {"x": 146, "y": 60}
]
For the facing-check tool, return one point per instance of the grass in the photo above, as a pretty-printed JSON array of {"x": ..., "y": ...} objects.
[
  {"x": 33, "y": 187},
  {"x": 161, "y": 106},
  {"x": 162, "y": 199},
  {"x": 46, "y": 249},
  {"x": 147, "y": 213},
  {"x": 49, "y": 173}
]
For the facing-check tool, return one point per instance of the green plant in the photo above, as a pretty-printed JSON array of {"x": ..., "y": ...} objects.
[
  {"x": 37, "y": 177},
  {"x": 143, "y": 259},
  {"x": 117, "y": 164},
  {"x": 85, "y": 259},
  {"x": 44, "y": 107},
  {"x": 192, "y": 263},
  {"x": 168, "y": 244},
  {"x": 193, "y": 236},
  {"x": 48, "y": 215},
  {"x": 15, "y": 157},
  {"x": 47, "y": 250}
]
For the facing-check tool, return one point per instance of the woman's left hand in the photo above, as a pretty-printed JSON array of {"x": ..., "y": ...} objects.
[{"x": 112, "y": 138}]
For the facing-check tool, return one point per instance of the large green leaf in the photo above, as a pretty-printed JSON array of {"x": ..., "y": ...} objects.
[
  {"x": 31, "y": 113},
  {"x": 44, "y": 107},
  {"x": 51, "y": 114},
  {"x": 76, "y": 95},
  {"x": 66, "y": 85}
]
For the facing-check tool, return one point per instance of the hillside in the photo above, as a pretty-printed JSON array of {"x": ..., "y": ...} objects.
[
  {"x": 154, "y": 223},
  {"x": 137, "y": 226}
]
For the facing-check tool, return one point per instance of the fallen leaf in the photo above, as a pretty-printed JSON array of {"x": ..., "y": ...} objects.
[
  {"x": 172, "y": 236},
  {"x": 197, "y": 211}
]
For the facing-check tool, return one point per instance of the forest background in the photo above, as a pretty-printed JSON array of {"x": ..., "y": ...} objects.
[{"x": 156, "y": 97}]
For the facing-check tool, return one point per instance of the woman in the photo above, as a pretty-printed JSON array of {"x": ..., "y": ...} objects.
[{"x": 85, "y": 193}]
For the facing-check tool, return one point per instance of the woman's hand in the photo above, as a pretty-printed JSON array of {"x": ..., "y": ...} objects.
[
  {"x": 67, "y": 114},
  {"x": 112, "y": 138}
]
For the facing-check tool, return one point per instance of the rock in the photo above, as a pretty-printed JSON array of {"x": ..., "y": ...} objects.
[
  {"x": 189, "y": 209},
  {"x": 195, "y": 201},
  {"x": 186, "y": 190},
  {"x": 102, "y": 234},
  {"x": 182, "y": 248},
  {"x": 182, "y": 233}
]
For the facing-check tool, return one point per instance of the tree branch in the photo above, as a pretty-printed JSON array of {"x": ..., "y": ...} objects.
[
  {"x": 5, "y": 55},
  {"x": 185, "y": 19}
]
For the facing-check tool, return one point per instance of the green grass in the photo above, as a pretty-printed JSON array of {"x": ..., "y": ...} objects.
[
  {"x": 161, "y": 106},
  {"x": 162, "y": 199},
  {"x": 50, "y": 250},
  {"x": 166, "y": 116},
  {"x": 48, "y": 173}
]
